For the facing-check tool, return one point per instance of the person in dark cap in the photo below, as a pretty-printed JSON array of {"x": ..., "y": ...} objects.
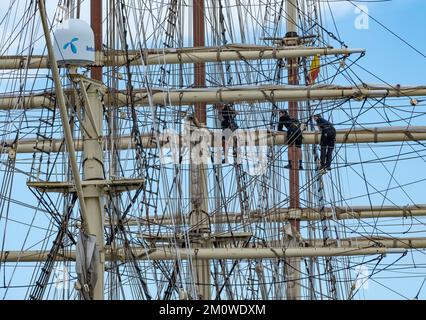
[
  {"x": 294, "y": 135},
  {"x": 328, "y": 140},
  {"x": 227, "y": 116}
]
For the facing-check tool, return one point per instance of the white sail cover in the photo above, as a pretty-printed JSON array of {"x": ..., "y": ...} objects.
[{"x": 87, "y": 257}]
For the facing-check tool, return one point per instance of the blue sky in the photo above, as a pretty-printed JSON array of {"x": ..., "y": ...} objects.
[
  {"x": 395, "y": 62},
  {"x": 387, "y": 56}
]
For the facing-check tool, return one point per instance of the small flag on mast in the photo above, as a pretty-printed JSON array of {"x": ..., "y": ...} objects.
[{"x": 315, "y": 69}]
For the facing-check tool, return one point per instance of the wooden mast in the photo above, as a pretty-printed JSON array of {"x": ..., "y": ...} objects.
[
  {"x": 199, "y": 219},
  {"x": 96, "y": 24}
]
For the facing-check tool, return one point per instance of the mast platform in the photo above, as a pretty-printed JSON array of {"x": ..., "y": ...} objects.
[{"x": 120, "y": 185}]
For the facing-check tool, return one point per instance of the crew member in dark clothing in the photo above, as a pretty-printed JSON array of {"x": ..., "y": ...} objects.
[
  {"x": 294, "y": 134},
  {"x": 328, "y": 140},
  {"x": 227, "y": 115}
]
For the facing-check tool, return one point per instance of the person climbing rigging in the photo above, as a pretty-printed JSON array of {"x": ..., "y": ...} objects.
[
  {"x": 227, "y": 115},
  {"x": 328, "y": 140},
  {"x": 294, "y": 135}
]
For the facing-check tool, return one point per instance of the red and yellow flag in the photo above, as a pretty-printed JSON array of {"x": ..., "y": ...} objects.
[{"x": 315, "y": 69}]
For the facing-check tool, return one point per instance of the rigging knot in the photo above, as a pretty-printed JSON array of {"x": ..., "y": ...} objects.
[
  {"x": 406, "y": 211},
  {"x": 294, "y": 213},
  {"x": 414, "y": 102}
]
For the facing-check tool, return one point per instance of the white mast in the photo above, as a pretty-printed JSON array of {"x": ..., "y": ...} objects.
[
  {"x": 292, "y": 267},
  {"x": 199, "y": 220}
]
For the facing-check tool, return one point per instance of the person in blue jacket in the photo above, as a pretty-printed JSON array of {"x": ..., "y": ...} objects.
[
  {"x": 328, "y": 140},
  {"x": 294, "y": 134}
]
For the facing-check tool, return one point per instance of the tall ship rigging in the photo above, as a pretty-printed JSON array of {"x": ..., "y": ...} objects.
[{"x": 118, "y": 180}]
